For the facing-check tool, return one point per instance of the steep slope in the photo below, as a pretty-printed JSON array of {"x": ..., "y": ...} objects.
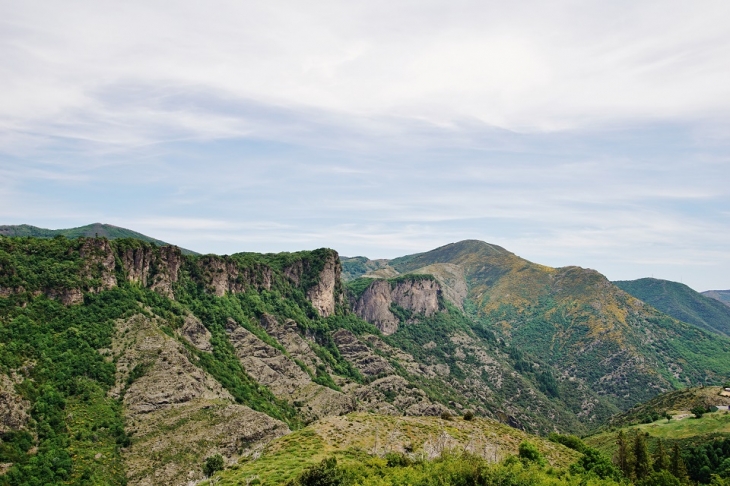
[
  {"x": 721, "y": 295},
  {"x": 576, "y": 321},
  {"x": 89, "y": 231},
  {"x": 681, "y": 302}
]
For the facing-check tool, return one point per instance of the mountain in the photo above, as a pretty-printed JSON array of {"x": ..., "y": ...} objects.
[
  {"x": 721, "y": 295},
  {"x": 589, "y": 333},
  {"x": 681, "y": 302},
  {"x": 124, "y": 361},
  {"x": 89, "y": 231}
]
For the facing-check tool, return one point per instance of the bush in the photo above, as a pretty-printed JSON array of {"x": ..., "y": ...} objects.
[
  {"x": 698, "y": 411},
  {"x": 570, "y": 441},
  {"x": 445, "y": 416},
  {"x": 213, "y": 464},
  {"x": 469, "y": 415},
  {"x": 528, "y": 452}
]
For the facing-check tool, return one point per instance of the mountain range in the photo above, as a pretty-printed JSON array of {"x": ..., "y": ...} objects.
[{"x": 128, "y": 360}]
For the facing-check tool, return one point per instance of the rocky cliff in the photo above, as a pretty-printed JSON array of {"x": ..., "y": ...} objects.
[{"x": 415, "y": 294}]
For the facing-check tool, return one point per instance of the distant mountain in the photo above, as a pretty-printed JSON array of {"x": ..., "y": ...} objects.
[
  {"x": 721, "y": 295},
  {"x": 572, "y": 322},
  {"x": 680, "y": 302},
  {"x": 89, "y": 231}
]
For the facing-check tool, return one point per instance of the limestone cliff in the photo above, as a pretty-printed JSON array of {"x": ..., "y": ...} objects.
[{"x": 417, "y": 295}]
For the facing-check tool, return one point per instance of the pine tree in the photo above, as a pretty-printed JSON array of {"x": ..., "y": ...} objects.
[
  {"x": 677, "y": 466},
  {"x": 661, "y": 461},
  {"x": 622, "y": 455},
  {"x": 642, "y": 461}
]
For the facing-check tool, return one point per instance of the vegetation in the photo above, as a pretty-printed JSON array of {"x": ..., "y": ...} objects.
[{"x": 681, "y": 302}]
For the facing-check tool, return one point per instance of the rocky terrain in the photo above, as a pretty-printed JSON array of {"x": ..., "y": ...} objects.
[{"x": 219, "y": 355}]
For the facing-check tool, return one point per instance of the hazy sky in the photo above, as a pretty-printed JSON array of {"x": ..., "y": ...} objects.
[{"x": 585, "y": 133}]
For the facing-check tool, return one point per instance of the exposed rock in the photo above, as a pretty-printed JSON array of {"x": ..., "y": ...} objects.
[
  {"x": 272, "y": 368},
  {"x": 196, "y": 333},
  {"x": 373, "y": 306},
  {"x": 222, "y": 274},
  {"x": 417, "y": 295},
  {"x": 165, "y": 374},
  {"x": 452, "y": 280},
  {"x": 361, "y": 356},
  {"x": 99, "y": 258},
  {"x": 175, "y": 412},
  {"x": 288, "y": 336},
  {"x": 151, "y": 267},
  {"x": 66, "y": 296},
  {"x": 294, "y": 272},
  {"x": 322, "y": 295},
  {"x": 13, "y": 408}
]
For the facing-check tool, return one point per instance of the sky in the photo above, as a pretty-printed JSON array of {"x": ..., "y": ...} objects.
[{"x": 587, "y": 133}]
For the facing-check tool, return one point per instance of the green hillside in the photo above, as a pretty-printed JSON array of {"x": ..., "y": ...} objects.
[
  {"x": 685, "y": 420},
  {"x": 89, "y": 231},
  {"x": 680, "y": 302},
  {"x": 721, "y": 295},
  {"x": 577, "y": 322}
]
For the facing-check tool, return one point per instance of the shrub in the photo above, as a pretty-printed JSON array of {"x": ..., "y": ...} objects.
[
  {"x": 698, "y": 411},
  {"x": 469, "y": 415},
  {"x": 528, "y": 452},
  {"x": 213, "y": 464},
  {"x": 445, "y": 416}
]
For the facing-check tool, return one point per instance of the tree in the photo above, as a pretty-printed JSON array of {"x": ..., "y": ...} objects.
[
  {"x": 661, "y": 460},
  {"x": 621, "y": 459},
  {"x": 698, "y": 411},
  {"x": 677, "y": 466},
  {"x": 642, "y": 462},
  {"x": 213, "y": 464},
  {"x": 594, "y": 462},
  {"x": 529, "y": 453}
]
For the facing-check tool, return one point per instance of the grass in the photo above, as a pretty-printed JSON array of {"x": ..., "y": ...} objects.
[
  {"x": 714, "y": 424},
  {"x": 356, "y": 437}
]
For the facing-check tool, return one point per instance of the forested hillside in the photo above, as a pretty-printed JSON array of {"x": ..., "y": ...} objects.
[{"x": 681, "y": 302}]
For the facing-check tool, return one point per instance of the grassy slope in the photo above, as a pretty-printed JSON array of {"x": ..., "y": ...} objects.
[
  {"x": 89, "y": 231},
  {"x": 682, "y": 428},
  {"x": 353, "y": 438},
  {"x": 577, "y": 321},
  {"x": 680, "y": 302}
]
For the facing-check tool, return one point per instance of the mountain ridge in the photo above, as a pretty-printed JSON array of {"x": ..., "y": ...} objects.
[
  {"x": 90, "y": 230},
  {"x": 681, "y": 302}
]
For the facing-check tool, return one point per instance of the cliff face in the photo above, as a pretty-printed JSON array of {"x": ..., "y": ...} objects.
[
  {"x": 156, "y": 268},
  {"x": 419, "y": 296},
  {"x": 222, "y": 275},
  {"x": 323, "y": 295}
]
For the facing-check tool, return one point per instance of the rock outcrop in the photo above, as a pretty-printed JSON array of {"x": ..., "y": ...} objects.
[
  {"x": 99, "y": 260},
  {"x": 13, "y": 408},
  {"x": 417, "y": 295},
  {"x": 223, "y": 275},
  {"x": 156, "y": 268},
  {"x": 176, "y": 412},
  {"x": 323, "y": 295},
  {"x": 284, "y": 377},
  {"x": 196, "y": 333}
]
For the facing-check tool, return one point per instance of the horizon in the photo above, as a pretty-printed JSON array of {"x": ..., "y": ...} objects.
[
  {"x": 377, "y": 258},
  {"x": 595, "y": 135}
]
